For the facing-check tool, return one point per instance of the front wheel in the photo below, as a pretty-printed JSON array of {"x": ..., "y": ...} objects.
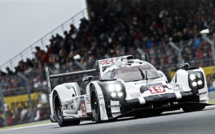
[
  {"x": 59, "y": 113},
  {"x": 95, "y": 105}
]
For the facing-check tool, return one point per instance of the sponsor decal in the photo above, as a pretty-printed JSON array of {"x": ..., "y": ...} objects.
[
  {"x": 83, "y": 107},
  {"x": 109, "y": 106},
  {"x": 178, "y": 88},
  {"x": 103, "y": 107},
  {"x": 201, "y": 93},
  {"x": 100, "y": 96},
  {"x": 106, "y": 62},
  {"x": 139, "y": 82},
  {"x": 82, "y": 99},
  {"x": 156, "y": 89},
  {"x": 70, "y": 105},
  {"x": 134, "y": 94},
  {"x": 151, "y": 85},
  {"x": 87, "y": 99}
]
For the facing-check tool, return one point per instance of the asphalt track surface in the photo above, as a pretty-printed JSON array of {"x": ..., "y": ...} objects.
[{"x": 177, "y": 122}]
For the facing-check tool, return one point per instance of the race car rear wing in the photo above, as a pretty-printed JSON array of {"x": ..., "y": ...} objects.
[{"x": 48, "y": 76}]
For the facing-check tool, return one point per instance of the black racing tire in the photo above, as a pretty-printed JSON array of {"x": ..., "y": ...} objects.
[
  {"x": 59, "y": 113},
  {"x": 95, "y": 105},
  {"x": 191, "y": 108},
  {"x": 149, "y": 114},
  {"x": 157, "y": 112}
]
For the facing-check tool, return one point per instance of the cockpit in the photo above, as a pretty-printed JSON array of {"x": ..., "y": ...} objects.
[{"x": 132, "y": 73}]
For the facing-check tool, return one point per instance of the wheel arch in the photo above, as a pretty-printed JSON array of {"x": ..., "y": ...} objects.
[
  {"x": 63, "y": 91},
  {"x": 181, "y": 77},
  {"x": 100, "y": 94}
]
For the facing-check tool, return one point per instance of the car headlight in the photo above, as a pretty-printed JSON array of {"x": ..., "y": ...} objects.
[
  {"x": 120, "y": 94},
  {"x": 111, "y": 87},
  {"x": 196, "y": 80},
  {"x": 115, "y": 90},
  {"x": 114, "y": 87},
  {"x": 199, "y": 75},
  {"x": 113, "y": 94},
  {"x": 200, "y": 82},
  {"x": 192, "y": 77},
  {"x": 118, "y": 88},
  {"x": 194, "y": 84}
]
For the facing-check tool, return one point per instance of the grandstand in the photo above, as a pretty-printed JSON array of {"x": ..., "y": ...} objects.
[{"x": 104, "y": 28}]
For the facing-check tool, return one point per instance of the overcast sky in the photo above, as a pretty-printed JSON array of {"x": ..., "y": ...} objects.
[{"x": 22, "y": 22}]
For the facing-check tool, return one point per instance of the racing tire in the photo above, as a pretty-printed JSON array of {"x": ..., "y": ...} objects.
[
  {"x": 149, "y": 114},
  {"x": 59, "y": 113},
  {"x": 157, "y": 113},
  {"x": 95, "y": 105},
  {"x": 191, "y": 108}
]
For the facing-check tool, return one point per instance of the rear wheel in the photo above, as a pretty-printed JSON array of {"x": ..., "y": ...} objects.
[
  {"x": 190, "y": 108},
  {"x": 59, "y": 113},
  {"x": 95, "y": 105},
  {"x": 157, "y": 112}
]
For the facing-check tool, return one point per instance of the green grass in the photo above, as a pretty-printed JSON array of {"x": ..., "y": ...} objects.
[
  {"x": 24, "y": 125},
  {"x": 212, "y": 101}
]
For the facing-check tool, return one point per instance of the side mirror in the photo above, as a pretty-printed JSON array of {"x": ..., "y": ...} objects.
[
  {"x": 184, "y": 66},
  {"x": 87, "y": 78},
  {"x": 144, "y": 57}
]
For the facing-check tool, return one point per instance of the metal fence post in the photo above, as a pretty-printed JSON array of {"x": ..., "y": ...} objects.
[
  {"x": 48, "y": 80},
  {"x": 11, "y": 64},
  {"x": 29, "y": 93},
  {"x": 178, "y": 50},
  {"x": 212, "y": 46},
  {"x": 42, "y": 43},
  {"x": 80, "y": 65},
  {"x": 21, "y": 55},
  {"x": 3, "y": 108},
  {"x": 62, "y": 27}
]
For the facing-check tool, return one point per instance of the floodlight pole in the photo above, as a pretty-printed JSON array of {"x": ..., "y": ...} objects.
[
  {"x": 29, "y": 93},
  {"x": 212, "y": 46}
]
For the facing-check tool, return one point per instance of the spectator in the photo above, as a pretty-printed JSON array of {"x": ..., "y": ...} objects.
[
  {"x": 1, "y": 122},
  {"x": 38, "y": 113}
]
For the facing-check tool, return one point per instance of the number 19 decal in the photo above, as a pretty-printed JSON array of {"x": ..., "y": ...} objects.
[{"x": 156, "y": 89}]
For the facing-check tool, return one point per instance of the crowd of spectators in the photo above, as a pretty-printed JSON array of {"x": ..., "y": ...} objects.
[
  {"x": 21, "y": 115},
  {"x": 147, "y": 25}
]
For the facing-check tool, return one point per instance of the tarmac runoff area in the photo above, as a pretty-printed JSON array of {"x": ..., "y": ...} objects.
[{"x": 176, "y": 122}]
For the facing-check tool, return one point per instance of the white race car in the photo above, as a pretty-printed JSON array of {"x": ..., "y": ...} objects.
[{"x": 126, "y": 87}]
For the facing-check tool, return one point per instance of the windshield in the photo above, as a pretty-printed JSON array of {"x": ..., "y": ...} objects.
[{"x": 133, "y": 73}]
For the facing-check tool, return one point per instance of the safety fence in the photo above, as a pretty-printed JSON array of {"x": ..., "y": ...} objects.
[{"x": 19, "y": 106}]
